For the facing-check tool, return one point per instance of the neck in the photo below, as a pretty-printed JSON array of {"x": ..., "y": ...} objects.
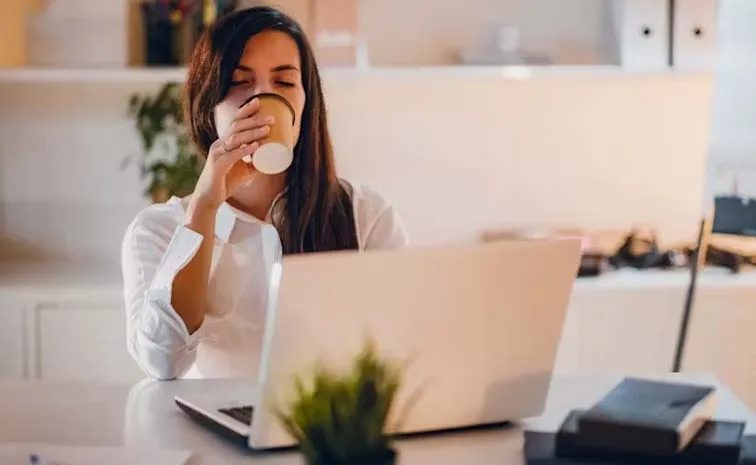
[{"x": 257, "y": 196}]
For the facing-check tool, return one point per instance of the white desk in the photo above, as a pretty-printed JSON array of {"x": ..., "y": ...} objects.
[{"x": 145, "y": 415}]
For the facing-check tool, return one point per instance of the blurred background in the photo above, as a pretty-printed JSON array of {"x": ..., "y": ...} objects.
[{"x": 478, "y": 119}]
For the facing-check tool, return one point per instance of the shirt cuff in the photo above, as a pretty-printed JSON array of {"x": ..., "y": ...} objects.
[
  {"x": 183, "y": 247},
  {"x": 165, "y": 321}
]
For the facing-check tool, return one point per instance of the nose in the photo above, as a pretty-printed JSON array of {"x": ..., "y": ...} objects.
[{"x": 263, "y": 86}]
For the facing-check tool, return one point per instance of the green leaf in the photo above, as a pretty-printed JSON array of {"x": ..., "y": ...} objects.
[
  {"x": 151, "y": 114},
  {"x": 338, "y": 418}
]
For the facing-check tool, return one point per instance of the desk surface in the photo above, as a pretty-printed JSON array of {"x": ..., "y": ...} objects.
[{"x": 144, "y": 415}]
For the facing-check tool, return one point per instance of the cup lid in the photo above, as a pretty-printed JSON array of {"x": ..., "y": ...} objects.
[{"x": 275, "y": 96}]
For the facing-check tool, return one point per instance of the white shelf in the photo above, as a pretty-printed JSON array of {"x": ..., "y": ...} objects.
[
  {"x": 157, "y": 75},
  {"x": 709, "y": 278},
  {"x": 93, "y": 75}
]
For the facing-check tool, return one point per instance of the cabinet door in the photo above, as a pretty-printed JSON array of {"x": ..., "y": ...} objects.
[
  {"x": 12, "y": 340},
  {"x": 628, "y": 331},
  {"x": 722, "y": 338},
  {"x": 83, "y": 341}
]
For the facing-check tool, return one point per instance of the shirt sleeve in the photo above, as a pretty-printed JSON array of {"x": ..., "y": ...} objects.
[
  {"x": 155, "y": 248},
  {"x": 379, "y": 224},
  {"x": 388, "y": 231}
]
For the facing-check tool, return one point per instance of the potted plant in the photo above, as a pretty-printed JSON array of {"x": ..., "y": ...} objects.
[
  {"x": 341, "y": 419},
  {"x": 167, "y": 161}
]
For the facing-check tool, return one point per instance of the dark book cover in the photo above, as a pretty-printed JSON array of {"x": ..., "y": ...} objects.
[
  {"x": 647, "y": 417},
  {"x": 540, "y": 449},
  {"x": 748, "y": 450},
  {"x": 717, "y": 443}
]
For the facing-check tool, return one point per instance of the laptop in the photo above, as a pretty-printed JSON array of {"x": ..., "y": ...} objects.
[{"x": 479, "y": 325}]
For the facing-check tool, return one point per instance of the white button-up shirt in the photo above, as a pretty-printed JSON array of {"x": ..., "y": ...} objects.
[{"x": 157, "y": 245}]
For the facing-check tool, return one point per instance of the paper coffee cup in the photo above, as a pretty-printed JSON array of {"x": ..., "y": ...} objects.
[{"x": 276, "y": 151}]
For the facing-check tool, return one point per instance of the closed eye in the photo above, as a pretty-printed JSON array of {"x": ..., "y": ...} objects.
[
  {"x": 285, "y": 83},
  {"x": 237, "y": 83}
]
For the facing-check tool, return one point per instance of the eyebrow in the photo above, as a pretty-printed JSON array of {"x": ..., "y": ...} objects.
[
  {"x": 276, "y": 69},
  {"x": 285, "y": 68}
]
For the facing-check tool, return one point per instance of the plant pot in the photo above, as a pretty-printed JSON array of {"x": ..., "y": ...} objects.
[{"x": 389, "y": 458}]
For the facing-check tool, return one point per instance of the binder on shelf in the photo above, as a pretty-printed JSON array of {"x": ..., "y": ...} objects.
[
  {"x": 641, "y": 32},
  {"x": 694, "y": 36},
  {"x": 13, "y": 37}
]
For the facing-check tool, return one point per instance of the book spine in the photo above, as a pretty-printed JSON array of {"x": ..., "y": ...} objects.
[{"x": 626, "y": 438}]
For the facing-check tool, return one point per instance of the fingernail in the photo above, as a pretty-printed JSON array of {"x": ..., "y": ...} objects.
[
  {"x": 252, "y": 102},
  {"x": 270, "y": 119},
  {"x": 266, "y": 128}
]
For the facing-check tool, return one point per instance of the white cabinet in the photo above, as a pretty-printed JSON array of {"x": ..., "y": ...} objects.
[
  {"x": 628, "y": 330},
  {"x": 63, "y": 325},
  {"x": 629, "y": 325},
  {"x": 12, "y": 340},
  {"x": 722, "y": 339},
  {"x": 83, "y": 341}
]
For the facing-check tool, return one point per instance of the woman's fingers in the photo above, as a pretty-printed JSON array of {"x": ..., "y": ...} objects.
[
  {"x": 246, "y": 124},
  {"x": 238, "y": 154},
  {"x": 248, "y": 109},
  {"x": 226, "y": 158},
  {"x": 234, "y": 141}
]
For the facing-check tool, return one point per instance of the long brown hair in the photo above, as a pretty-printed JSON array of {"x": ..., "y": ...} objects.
[{"x": 317, "y": 209}]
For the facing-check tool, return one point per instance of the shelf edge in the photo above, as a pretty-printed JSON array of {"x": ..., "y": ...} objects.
[{"x": 156, "y": 75}]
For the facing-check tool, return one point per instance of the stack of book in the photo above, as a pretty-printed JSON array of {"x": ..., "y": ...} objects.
[{"x": 648, "y": 422}]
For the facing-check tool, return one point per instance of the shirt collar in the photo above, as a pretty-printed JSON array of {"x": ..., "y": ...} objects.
[
  {"x": 224, "y": 222},
  {"x": 227, "y": 216}
]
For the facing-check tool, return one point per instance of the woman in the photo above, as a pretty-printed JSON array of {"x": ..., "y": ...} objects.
[{"x": 196, "y": 269}]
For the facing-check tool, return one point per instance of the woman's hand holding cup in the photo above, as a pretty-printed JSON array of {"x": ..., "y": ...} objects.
[{"x": 226, "y": 168}]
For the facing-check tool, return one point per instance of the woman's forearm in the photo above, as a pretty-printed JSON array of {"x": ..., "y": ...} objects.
[{"x": 189, "y": 293}]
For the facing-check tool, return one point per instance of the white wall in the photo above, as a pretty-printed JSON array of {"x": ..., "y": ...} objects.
[
  {"x": 61, "y": 185},
  {"x": 733, "y": 142},
  {"x": 426, "y": 32},
  {"x": 457, "y": 154},
  {"x": 472, "y": 153}
]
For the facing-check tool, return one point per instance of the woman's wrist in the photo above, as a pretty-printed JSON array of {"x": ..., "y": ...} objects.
[{"x": 201, "y": 215}]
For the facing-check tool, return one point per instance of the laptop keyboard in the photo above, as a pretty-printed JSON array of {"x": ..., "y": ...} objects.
[{"x": 242, "y": 414}]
